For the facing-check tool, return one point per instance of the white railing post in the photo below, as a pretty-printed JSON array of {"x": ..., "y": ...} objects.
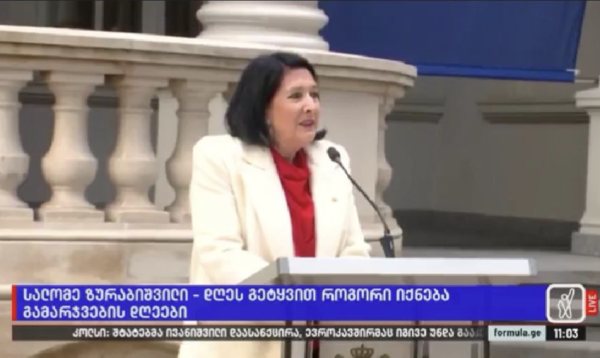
[
  {"x": 133, "y": 164},
  {"x": 193, "y": 116},
  {"x": 14, "y": 162},
  {"x": 384, "y": 170},
  {"x": 69, "y": 166}
]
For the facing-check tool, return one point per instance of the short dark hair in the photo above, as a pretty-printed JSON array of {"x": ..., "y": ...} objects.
[{"x": 260, "y": 80}]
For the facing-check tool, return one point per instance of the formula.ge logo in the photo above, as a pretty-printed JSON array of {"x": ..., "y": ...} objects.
[{"x": 566, "y": 303}]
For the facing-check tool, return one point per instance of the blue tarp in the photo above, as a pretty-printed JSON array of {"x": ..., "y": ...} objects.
[{"x": 528, "y": 40}]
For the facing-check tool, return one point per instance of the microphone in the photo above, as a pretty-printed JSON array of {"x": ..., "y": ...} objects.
[{"x": 387, "y": 241}]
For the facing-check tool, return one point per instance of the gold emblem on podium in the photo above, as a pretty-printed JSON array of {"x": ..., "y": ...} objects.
[{"x": 362, "y": 352}]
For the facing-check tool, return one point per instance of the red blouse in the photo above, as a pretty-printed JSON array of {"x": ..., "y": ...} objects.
[{"x": 295, "y": 179}]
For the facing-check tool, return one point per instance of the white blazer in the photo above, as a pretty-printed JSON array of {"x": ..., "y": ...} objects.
[{"x": 241, "y": 222}]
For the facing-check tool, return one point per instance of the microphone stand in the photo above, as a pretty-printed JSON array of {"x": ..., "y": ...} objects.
[{"x": 387, "y": 241}]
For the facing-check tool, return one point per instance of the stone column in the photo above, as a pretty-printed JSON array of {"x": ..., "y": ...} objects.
[
  {"x": 193, "y": 116},
  {"x": 384, "y": 170},
  {"x": 280, "y": 23},
  {"x": 14, "y": 162},
  {"x": 587, "y": 240},
  {"x": 166, "y": 139},
  {"x": 69, "y": 166},
  {"x": 133, "y": 166}
]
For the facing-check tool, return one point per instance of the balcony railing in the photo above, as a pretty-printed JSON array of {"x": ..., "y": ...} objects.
[
  {"x": 73, "y": 63},
  {"x": 69, "y": 239}
]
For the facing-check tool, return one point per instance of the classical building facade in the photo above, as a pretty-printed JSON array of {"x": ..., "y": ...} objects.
[{"x": 99, "y": 111}]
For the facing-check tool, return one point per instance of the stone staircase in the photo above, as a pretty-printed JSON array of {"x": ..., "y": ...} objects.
[{"x": 553, "y": 267}]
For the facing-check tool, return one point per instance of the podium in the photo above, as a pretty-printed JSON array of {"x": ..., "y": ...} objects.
[{"x": 394, "y": 271}]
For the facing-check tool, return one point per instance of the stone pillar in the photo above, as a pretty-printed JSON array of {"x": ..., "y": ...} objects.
[
  {"x": 280, "y": 23},
  {"x": 384, "y": 170},
  {"x": 193, "y": 116},
  {"x": 166, "y": 139},
  {"x": 14, "y": 162},
  {"x": 133, "y": 165},
  {"x": 587, "y": 240},
  {"x": 69, "y": 166}
]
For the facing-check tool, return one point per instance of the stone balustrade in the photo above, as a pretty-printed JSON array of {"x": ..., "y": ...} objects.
[
  {"x": 69, "y": 239},
  {"x": 134, "y": 239},
  {"x": 73, "y": 63}
]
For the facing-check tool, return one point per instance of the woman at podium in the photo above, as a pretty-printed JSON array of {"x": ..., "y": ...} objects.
[{"x": 268, "y": 188}]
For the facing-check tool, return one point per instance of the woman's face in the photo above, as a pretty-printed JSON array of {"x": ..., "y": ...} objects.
[{"x": 293, "y": 114}]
